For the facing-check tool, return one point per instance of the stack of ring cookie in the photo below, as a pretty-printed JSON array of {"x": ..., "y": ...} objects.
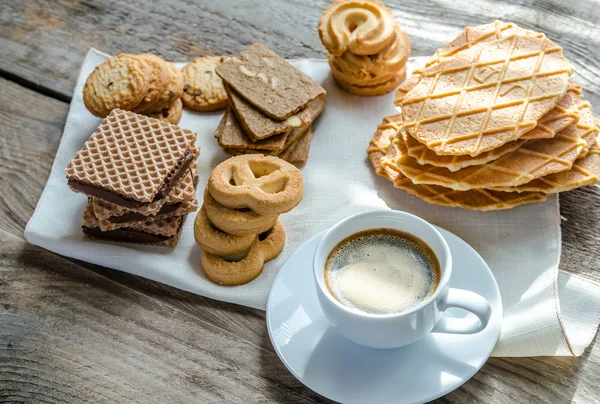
[
  {"x": 367, "y": 50},
  {"x": 237, "y": 227},
  {"x": 145, "y": 84}
]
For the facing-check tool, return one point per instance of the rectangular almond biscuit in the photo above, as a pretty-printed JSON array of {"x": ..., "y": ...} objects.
[
  {"x": 230, "y": 135},
  {"x": 258, "y": 125},
  {"x": 268, "y": 82}
]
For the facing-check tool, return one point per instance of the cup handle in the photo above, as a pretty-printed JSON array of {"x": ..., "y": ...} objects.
[{"x": 469, "y": 301}]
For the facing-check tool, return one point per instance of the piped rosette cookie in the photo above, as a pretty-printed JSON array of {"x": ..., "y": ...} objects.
[{"x": 366, "y": 49}]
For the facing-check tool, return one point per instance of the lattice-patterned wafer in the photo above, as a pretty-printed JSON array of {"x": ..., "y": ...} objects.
[
  {"x": 535, "y": 159},
  {"x": 184, "y": 190},
  {"x": 564, "y": 114},
  {"x": 132, "y": 160},
  {"x": 269, "y": 82},
  {"x": 230, "y": 135},
  {"x": 585, "y": 171},
  {"x": 260, "y": 126},
  {"x": 487, "y": 95},
  {"x": 383, "y": 151},
  {"x": 470, "y": 37},
  {"x": 163, "y": 232}
]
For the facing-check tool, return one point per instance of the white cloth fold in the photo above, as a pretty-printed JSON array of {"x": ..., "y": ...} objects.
[{"x": 521, "y": 245}]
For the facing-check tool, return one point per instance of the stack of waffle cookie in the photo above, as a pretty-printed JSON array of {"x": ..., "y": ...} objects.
[
  {"x": 144, "y": 84},
  {"x": 139, "y": 175},
  {"x": 237, "y": 228},
  {"x": 493, "y": 121},
  {"x": 271, "y": 106},
  {"x": 366, "y": 49}
]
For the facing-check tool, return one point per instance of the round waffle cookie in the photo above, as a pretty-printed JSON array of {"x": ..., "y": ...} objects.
[
  {"x": 585, "y": 171},
  {"x": 535, "y": 159},
  {"x": 383, "y": 150},
  {"x": 487, "y": 95},
  {"x": 470, "y": 37},
  {"x": 120, "y": 82}
]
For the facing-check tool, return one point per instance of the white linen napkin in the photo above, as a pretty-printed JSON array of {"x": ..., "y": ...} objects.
[{"x": 547, "y": 311}]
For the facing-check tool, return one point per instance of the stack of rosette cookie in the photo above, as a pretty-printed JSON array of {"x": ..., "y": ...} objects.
[
  {"x": 367, "y": 50},
  {"x": 493, "y": 121},
  {"x": 140, "y": 176},
  {"x": 237, "y": 227},
  {"x": 272, "y": 106}
]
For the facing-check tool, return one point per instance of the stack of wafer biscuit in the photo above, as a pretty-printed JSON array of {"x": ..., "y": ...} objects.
[
  {"x": 366, "y": 49},
  {"x": 493, "y": 121},
  {"x": 139, "y": 175},
  {"x": 145, "y": 84},
  {"x": 237, "y": 228},
  {"x": 271, "y": 106}
]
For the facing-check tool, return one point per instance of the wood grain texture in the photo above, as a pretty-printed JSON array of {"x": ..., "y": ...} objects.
[{"x": 75, "y": 332}]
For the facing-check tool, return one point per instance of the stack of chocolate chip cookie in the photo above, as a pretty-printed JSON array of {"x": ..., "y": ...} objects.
[
  {"x": 140, "y": 175},
  {"x": 237, "y": 227},
  {"x": 144, "y": 84},
  {"x": 271, "y": 106},
  {"x": 493, "y": 121},
  {"x": 367, "y": 50}
]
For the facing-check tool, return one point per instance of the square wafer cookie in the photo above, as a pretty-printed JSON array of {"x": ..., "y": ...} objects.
[
  {"x": 181, "y": 200},
  {"x": 269, "y": 82},
  {"x": 131, "y": 160},
  {"x": 157, "y": 232}
]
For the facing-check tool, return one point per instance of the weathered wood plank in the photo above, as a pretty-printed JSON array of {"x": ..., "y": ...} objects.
[
  {"x": 46, "y": 44},
  {"x": 35, "y": 135}
]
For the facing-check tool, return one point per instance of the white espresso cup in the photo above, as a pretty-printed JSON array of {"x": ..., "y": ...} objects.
[{"x": 403, "y": 328}]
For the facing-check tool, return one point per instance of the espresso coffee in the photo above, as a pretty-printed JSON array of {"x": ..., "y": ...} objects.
[{"x": 382, "y": 271}]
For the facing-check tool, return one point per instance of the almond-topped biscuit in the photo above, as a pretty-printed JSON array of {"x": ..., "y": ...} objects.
[
  {"x": 231, "y": 135},
  {"x": 120, "y": 82},
  {"x": 269, "y": 82},
  {"x": 202, "y": 88}
]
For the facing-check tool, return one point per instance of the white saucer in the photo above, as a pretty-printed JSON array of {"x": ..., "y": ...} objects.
[{"x": 342, "y": 371}]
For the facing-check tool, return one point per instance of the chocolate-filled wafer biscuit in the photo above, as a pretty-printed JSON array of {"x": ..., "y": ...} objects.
[
  {"x": 258, "y": 125},
  {"x": 131, "y": 160},
  {"x": 163, "y": 232},
  {"x": 231, "y": 135},
  {"x": 268, "y": 82}
]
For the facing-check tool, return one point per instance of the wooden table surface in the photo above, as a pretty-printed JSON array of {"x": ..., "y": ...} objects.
[{"x": 75, "y": 332}]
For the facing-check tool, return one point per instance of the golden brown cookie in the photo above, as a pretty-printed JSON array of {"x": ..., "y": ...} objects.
[
  {"x": 230, "y": 273},
  {"x": 377, "y": 89},
  {"x": 363, "y": 27},
  {"x": 265, "y": 184},
  {"x": 215, "y": 241},
  {"x": 173, "y": 90},
  {"x": 239, "y": 222},
  {"x": 172, "y": 113},
  {"x": 159, "y": 77},
  {"x": 202, "y": 88},
  {"x": 120, "y": 82}
]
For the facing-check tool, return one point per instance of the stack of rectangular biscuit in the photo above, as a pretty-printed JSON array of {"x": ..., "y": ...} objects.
[
  {"x": 272, "y": 105},
  {"x": 493, "y": 121},
  {"x": 140, "y": 176}
]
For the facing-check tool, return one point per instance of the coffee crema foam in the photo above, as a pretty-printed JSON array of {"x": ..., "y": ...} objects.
[{"x": 382, "y": 271}]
